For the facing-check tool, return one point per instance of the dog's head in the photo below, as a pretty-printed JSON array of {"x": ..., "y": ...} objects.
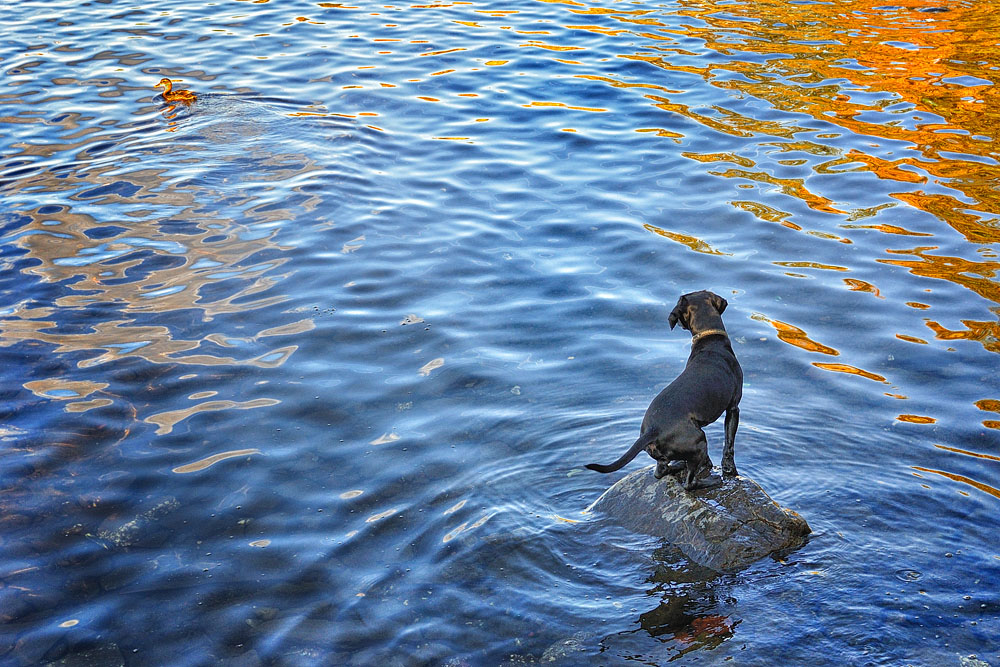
[{"x": 689, "y": 304}]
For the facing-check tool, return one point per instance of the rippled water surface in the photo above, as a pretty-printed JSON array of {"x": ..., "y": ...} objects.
[{"x": 306, "y": 371}]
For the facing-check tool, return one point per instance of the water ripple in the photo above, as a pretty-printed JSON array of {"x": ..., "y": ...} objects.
[{"x": 398, "y": 272}]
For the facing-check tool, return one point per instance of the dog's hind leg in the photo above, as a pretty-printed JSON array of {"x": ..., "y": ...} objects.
[
  {"x": 729, "y": 449},
  {"x": 664, "y": 468},
  {"x": 694, "y": 453},
  {"x": 699, "y": 466}
]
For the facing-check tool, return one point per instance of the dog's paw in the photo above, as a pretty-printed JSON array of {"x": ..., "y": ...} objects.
[{"x": 706, "y": 482}]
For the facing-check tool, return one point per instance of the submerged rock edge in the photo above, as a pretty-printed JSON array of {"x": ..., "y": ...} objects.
[{"x": 725, "y": 528}]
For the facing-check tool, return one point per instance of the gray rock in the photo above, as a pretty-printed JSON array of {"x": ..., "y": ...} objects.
[{"x": 725, "y": 527}]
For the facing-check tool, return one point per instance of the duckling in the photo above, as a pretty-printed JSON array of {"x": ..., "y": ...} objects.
[{"x": 171, "y": 95}]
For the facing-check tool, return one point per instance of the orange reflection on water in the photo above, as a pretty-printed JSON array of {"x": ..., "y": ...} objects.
[
  {"x": 850, "y": 370},
  {"x": 916, "y": 419},
  {"x": 767, "y": 213},
  {"x": 978, "y": 277},
  {"x": 897, "y": 51},
  {"x": 888, "y": 229},
  {"x": 561, "y": 105},
  {"x": 856, "y": 285},
  {"x": 987, "y": 333},
  {"x": 793, "y": 187},
  {"x": 966, "y": 452},
  {"x": 985, "y": 488},
  {"x": 793, "y": 335},
  {"x": 691, "y": 242},
  {"x": 811, "y": 265},
  {"x": 989, "y": 405}
]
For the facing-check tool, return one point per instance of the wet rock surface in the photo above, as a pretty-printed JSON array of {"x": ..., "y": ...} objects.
[{"x": 725, "y": 527}]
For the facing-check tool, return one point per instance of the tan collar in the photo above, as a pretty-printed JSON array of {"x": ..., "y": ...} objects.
[{"x": 708, "y": 332}]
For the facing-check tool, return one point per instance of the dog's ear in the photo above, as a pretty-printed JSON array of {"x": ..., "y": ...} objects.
[
  {"x": 719, "y": 303},
  {"x": 677, "y": 314}
]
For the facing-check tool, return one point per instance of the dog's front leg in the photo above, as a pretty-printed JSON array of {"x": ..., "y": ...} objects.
[{"x": 729, "y": 449}]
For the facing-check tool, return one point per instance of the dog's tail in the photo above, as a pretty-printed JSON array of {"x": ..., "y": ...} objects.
[{"x": 633, "y": 451}]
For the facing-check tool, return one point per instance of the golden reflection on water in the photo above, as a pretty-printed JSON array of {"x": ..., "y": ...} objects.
[
  {"x": 454, "y": 508},
  {"x": 385, "y": 439},
  {"x": 430, "y": 366},
  {"x": 382, "y": 515},
  {"x": 70, "y": 390},
  {"x": 167, "y": 420},
  {"x": 108, "y": 271},
  {"x": 164, "y": 251},
  {"x": 198, "y": 466},
  {"x": 83, "y": 406},
  {"x": 64, "y": 389},
  {"x": 466, "y": 527},
  {"x": 691, "y": 242}
]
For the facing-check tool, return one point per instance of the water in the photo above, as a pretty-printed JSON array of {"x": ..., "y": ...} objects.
[{"x": 306, "y": 372}]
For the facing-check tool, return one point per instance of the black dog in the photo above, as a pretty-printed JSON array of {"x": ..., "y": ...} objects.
[{"x": 711, "y": 383}]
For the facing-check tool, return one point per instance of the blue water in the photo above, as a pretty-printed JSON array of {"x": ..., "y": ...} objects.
[{"x": 306, "y": 372}]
